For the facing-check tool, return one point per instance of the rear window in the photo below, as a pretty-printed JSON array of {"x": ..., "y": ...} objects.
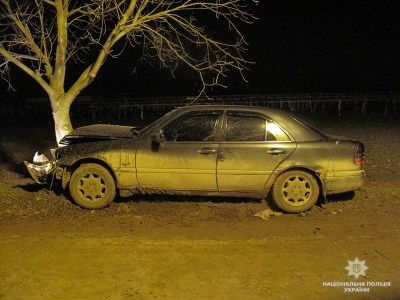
[{"x": 310, "y": 127}]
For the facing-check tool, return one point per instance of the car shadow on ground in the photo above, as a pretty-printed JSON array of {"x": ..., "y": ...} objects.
[
  {"x": 186, "y": 198},
  {"x": 341, "y": 197},
  {"x": 48, "y": 187}
]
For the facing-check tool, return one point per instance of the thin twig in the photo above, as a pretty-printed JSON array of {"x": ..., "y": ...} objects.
[{"x": 382, "y": 254}]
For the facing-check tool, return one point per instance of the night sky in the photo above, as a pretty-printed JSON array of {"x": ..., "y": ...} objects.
[{"x": 298, "y": 47}]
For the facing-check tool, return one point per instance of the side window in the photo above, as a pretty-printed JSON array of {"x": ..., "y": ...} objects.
[
  {"x": 245, "y": 128},
  {"x": 275, "y": 133},
  {"x": 195, "y": 128},
  {"x": 255, "y": 129}
]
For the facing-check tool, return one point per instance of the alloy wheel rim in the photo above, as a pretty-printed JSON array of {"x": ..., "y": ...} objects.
[
  {"x": 92, "y": 187},
  {"x": 296, "y": 190}
]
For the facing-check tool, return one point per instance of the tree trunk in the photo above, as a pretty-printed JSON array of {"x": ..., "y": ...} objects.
[{"x": 62, "y": 122}]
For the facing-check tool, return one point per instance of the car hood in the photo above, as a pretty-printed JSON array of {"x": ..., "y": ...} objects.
[{"x": 98, "y": 132}]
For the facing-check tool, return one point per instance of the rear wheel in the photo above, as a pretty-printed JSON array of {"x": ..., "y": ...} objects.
[
  {"x": 92, "y": 186},
  {"x": 295, "y": 191}
]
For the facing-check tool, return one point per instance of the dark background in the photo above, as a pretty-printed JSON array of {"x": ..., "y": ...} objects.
[{"x": 297, "y": 46}]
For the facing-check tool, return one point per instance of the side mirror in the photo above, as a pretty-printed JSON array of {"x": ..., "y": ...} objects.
[{"x": 158, "y": 136}]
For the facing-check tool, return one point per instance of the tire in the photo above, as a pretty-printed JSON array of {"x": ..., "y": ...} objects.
[
  {"x": 295, "y": 191},
  {"x": 92, "y": 186}
]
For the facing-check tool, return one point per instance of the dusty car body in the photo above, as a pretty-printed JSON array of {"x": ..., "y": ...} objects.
[{"x": 209, "y": 150}]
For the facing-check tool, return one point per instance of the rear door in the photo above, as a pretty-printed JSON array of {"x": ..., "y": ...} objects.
[
  {"x": 187, "y": 160},
  {"x": 251, "y": 148}
]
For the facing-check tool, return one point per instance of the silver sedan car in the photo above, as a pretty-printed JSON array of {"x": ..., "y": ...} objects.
[{"x": 221, "y": 150}]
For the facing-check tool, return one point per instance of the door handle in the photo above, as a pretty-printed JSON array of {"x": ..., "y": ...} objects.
[
  {"x": 276, "y": 151},
  {"x": 207, "y": 151}
]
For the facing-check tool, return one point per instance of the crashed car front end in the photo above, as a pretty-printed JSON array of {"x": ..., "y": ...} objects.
[{"x": 42, "y": 168}]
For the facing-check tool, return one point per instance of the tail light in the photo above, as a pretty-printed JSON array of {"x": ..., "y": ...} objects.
[{"x": 359, "y": 157}]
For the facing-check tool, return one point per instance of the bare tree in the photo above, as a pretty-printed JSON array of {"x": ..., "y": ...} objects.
[{"x": 42, "y": 36}]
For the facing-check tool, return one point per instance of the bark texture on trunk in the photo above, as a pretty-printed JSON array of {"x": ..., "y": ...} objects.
[{"x": 62, "y": 123}]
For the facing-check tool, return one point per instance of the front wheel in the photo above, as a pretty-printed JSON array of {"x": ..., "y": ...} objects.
[
  {"x": 295, "y": 191},
  {"x": 92, "y": 186}
]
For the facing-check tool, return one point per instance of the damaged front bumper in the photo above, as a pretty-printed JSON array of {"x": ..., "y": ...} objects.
[{"x": 41, "y": 167}]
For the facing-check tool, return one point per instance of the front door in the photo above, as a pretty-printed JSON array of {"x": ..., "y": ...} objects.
[{"x": 186, "y": 161}]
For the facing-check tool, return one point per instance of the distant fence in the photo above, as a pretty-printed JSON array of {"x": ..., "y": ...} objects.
[{"x": 125, "y": 107}]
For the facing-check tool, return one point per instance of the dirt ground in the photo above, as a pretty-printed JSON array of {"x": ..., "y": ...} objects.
[{"x": 158, "y": 247}]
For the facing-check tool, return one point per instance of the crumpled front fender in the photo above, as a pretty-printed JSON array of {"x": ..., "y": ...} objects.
[{"x": 63, "y": 174}]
